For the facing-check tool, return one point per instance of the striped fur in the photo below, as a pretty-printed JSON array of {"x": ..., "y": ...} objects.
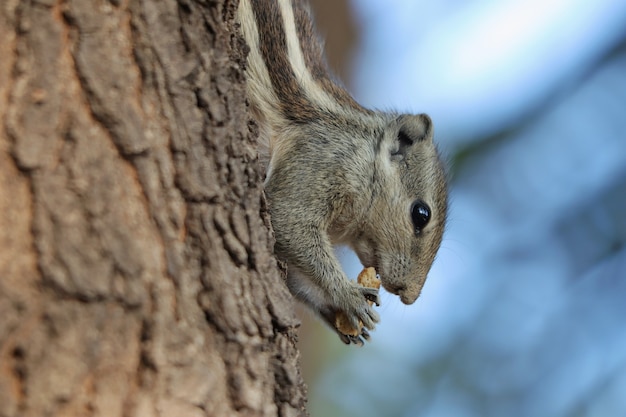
[
  {"x": 289, "y": 61},
  {"x": 337, "y": 173}
]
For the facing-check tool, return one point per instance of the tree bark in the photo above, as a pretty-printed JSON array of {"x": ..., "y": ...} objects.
[{"x": 136, "y": 270}]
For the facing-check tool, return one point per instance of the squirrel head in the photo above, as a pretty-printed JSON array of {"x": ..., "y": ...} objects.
[{"x": 403, "y": 228}]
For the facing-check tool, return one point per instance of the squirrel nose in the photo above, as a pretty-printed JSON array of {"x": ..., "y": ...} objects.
[{"x": 408, "y": 295}]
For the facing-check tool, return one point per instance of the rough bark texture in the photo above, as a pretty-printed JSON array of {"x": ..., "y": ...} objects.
[{"x": 136, "y": 274}]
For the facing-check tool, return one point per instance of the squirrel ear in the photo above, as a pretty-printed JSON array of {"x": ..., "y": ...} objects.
[
  {"x": 412, "y": 129},
  {"x": 418, "y": 127}
]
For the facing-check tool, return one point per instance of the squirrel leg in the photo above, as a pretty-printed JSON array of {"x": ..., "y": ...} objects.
[{"x": 315, "y": 277}]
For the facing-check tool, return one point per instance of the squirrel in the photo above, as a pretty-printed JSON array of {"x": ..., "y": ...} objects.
[{"x": 338, "y": 173}]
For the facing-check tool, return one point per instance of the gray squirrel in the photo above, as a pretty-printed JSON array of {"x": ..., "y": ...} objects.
[{"x": 337, "y": 173}]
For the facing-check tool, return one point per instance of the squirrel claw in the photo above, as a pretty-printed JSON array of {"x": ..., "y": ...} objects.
[
  {"x": 365, "y": 334},
  {"x": 357, "y": 341},
  {"x": 372, "y": 296},
  {"x": 344, "y": 338},
  {"x": 351, "y": 340}
]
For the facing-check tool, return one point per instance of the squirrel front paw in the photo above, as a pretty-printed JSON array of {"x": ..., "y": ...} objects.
[
  {"x": 360, "y": 309},
  {"x": 352, "y": 324},
  {"x": 355, "y": 314}
]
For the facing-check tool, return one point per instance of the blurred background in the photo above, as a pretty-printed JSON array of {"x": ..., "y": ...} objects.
[{"x": 524, "y": 311}]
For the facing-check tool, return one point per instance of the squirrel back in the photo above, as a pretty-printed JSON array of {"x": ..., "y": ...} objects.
[{"x": 337, "y": 173}]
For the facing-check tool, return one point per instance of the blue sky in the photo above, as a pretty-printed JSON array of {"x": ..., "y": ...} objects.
[{"x": 463, "y": 60}]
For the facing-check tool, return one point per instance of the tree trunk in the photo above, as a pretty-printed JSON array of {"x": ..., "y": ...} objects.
[{"x": 136, "y": 271}]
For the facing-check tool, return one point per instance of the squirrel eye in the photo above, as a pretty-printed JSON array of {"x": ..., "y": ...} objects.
[{"x": 420, "y": 215}]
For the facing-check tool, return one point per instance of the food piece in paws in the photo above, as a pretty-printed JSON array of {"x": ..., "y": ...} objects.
[{"x": 367, "y": 278}]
